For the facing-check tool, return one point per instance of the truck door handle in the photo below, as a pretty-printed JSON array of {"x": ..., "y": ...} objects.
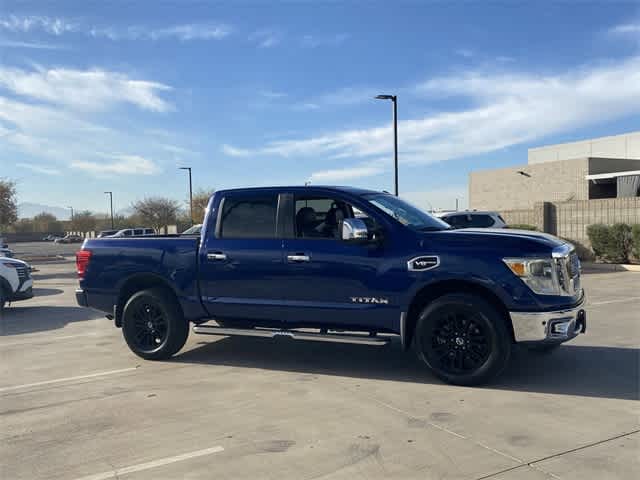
[
  {"x": 218, "y": 256},
  {"x": 298, "y": 257}
]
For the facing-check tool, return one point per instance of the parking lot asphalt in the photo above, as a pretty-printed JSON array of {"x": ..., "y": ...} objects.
[{"x": 75, "y": 403}]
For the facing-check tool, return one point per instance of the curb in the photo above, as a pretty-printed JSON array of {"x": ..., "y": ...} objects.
[{"x": 589, "y": 267}]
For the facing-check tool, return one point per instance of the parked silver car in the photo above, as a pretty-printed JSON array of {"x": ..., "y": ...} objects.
[{"x": 474, "y": 219}]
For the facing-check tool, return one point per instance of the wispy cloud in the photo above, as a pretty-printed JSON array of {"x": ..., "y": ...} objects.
[
  {"x": 272, "y": 95},
  {"x": 53, "y": 26},
  {"x": 31, "y": 45},
  {"x": 84, "y": 89},
  {"x": 338, "y": 98},
  {"x": 266, "y": 38},
  {"x": 59, "y": 26},
  {"x": 348, "y": 173},
  {"x": 122, "y": 164},
  {"x": 38, "y": 168},
  {"x": 503, "y": 109},
  {"x": 314, "y": 41},
  {"x": 626, "y": 29}
]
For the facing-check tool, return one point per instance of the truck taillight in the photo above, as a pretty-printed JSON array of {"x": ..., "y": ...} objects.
[{"x": 82, "y": 261}]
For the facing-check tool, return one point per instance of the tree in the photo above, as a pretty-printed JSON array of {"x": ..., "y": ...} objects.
[
  {"x": 8, "y": 204},
  {"x": 157, "y": 212},
  {"x": 84, "y": 221},
  {"x": 200, "y": 202},
  {"x": 46, "y": 223}
]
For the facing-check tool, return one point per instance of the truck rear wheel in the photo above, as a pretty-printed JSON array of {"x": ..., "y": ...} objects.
[
  {"x": 463, "y": 339},
  {"x": 152, "y": 324}
]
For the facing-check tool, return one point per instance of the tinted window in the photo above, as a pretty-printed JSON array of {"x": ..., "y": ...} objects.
[
  {"x": 459, "y": 221},
  {"x": 149, "y": 231},
  {"x": 137, "y": 231},
  {"x": 249, "y": 217},
  {"x": 481, "y": 221},
  {"x": 127, "y": 233},
  {"x": 320, "y": 217}
]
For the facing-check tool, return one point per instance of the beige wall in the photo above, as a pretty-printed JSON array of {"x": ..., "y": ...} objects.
[
  {"x": 618, "y": 146},
  {"x": 505, "y": 189}
]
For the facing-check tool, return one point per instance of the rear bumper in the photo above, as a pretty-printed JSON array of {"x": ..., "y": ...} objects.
[
  {"x": 81, "y": 298},
  {"x": 549, "y": 327}
]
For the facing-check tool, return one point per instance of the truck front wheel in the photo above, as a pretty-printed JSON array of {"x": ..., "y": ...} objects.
[
  {"x": 153, "y": 325},
  {"x": 463, "y": 339}
]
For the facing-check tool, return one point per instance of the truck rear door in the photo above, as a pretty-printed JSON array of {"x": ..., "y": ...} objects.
[{"x": 241, "y": 263}]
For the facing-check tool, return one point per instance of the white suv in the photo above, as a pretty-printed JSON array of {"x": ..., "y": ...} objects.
[
  {"x": 133, "y": 232},
  {"x": 15, "y": 281},
  {"x": 474, "y": 219}
]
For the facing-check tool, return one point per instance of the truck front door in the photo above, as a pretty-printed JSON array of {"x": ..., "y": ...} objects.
[{"x": 332, "y": 282}]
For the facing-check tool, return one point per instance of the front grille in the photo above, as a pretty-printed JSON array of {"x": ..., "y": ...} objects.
[
  {"x": 23, "y": 272},
  {"x": 568, "y": 269}
]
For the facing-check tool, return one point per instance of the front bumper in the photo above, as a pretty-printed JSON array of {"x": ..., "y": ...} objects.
[
  {"x": 549, "y": 327},
  {"x": 23, "y": 294}
]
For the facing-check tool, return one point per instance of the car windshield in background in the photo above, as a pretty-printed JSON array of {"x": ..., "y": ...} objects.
[{"x": 406, "y": 213}]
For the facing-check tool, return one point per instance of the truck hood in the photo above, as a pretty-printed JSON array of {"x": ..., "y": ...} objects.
[{"x": 521, "y": 242}]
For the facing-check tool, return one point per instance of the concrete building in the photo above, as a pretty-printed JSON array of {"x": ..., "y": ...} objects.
[{"x": 606, "y": 167}]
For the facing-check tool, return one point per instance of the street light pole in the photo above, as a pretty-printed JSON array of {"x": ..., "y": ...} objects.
[
  {"x": 394, "y": 99},
  {"x": 190, "y": 194},
  {"x": 111, "y": 205},
  {"x": 71, "y": 208}
]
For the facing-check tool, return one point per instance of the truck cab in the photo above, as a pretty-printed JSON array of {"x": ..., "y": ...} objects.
[{"x": 328, "y": 263}]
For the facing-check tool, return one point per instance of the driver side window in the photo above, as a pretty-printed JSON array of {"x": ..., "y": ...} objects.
[{"x": 320, "y": 217}]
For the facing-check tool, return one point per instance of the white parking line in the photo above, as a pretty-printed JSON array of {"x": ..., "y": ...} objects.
[
  {"x": 118, "y": 472},
  {"x": 46, "y": 339},
  {"x": 67, "y": 379}
]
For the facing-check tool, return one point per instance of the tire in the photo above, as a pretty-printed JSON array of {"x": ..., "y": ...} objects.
[
  {"x": 463, "y": 339},
  {"x": 2, "y": 299},
  {"x": 153, "y": 324},
  {"x": 543, "y": 348}
]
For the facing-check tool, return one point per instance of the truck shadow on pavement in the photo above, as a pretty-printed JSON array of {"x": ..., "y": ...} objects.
[
  {"x": 18, "y": 320},
  {"x": 607, "y": 372}
]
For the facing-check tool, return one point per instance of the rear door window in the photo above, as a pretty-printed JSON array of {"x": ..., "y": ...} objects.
[
  {"x": 481, "y": 221},
  {"x": 249, "y": 217},
  {"x": 138, "y": 231}
]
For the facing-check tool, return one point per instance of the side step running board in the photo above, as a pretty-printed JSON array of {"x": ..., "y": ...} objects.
[{"x": 295, "y": 335}]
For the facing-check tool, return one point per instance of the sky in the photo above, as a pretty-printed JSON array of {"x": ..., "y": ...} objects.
[{"x": 98, "y": 96}]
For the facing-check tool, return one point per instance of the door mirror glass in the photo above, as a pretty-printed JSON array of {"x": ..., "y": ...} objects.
[{"x": 354, "y": 230}]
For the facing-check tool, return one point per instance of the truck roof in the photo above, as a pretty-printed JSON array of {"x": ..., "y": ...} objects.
[{"x": 302, "y": 188}]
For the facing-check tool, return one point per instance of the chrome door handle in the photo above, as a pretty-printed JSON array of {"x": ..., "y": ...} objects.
[
  {"x": 298, "y": 258},
  {"x": 216, "y": 256}
]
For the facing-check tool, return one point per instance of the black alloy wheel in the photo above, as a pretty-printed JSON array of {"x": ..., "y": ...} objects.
[
  {"x": 463, "y": 339},
  {"x": 153, "y": 324},
  {"x": 150, "y": 327}
]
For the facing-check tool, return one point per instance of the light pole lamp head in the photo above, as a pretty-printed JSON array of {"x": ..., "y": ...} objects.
[{"x": 385, "y": 97}]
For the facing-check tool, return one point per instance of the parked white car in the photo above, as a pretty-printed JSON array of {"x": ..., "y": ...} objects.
[
  {"x": 474, "y": 219},
  {"x": 15, "y": 281},
  {"x": 133, "y": 232}
]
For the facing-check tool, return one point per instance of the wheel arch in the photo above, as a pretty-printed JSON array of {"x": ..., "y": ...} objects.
[
  {"x": 432, "y": 291},
  {"x": 136, "y": 283}
]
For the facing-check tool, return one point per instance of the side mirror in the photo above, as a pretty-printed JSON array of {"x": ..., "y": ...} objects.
[{"x": 354, "y": 230}]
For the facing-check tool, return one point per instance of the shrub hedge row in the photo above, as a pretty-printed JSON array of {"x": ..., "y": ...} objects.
[{"x": 615, "y": 243}]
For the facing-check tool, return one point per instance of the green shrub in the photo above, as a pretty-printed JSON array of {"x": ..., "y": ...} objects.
[
  {"x": 522, "y": 226},
  {"x": 635, "y": 240},
  {"x": 610, "y": 243}
]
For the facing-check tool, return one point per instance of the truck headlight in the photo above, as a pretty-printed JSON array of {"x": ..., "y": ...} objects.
[{"x": 538, "y": 273}]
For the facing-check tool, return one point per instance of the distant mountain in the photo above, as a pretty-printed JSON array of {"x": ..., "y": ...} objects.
[{"x": 29, "y": 210}]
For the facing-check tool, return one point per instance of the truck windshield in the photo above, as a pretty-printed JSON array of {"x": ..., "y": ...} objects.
[{"x": 406, "y": 213}]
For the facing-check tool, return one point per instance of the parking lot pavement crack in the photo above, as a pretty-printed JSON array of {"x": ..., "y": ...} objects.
[
  {"x": 450, "y": 432},
  {"x": 533, "y": 464},
  {"x": 582, "y": 447}
]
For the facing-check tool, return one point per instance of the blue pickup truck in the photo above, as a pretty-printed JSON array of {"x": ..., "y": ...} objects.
[{"x": 340, "y": 264}]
